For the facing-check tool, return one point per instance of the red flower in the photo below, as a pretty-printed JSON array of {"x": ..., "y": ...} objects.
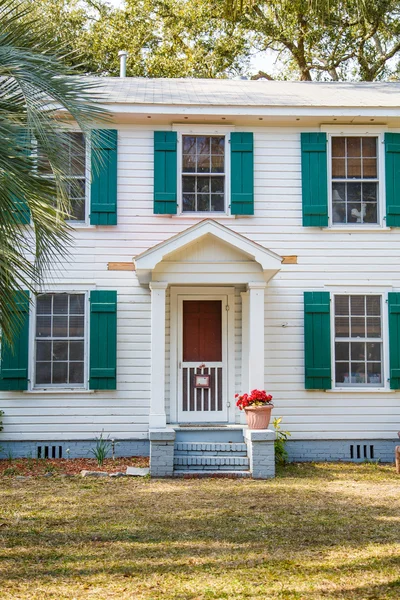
[{"x": 255, "y": 398}]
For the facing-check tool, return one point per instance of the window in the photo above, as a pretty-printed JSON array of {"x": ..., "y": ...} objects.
[
  {"x": 358, "y": 341},
  {"x": 60, "y": 340},
  {"x": 75, "y": 170},
  {"x": 355, "y": 180},
  {"x": 203, "y": 173}
]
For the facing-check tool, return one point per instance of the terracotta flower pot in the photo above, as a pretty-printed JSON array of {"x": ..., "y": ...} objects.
[{"x": 258, "y": 417}]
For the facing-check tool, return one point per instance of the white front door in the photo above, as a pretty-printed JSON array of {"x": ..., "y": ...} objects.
[{"x": 202, "y": 390}]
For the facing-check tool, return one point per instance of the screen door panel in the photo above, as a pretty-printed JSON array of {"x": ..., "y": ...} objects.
[{"x": 202, "y": 354}]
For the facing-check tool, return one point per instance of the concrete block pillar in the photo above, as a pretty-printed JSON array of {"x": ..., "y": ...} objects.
[
  {"x": 162, "y": 442},
  {"x": 261, "y": 452}
]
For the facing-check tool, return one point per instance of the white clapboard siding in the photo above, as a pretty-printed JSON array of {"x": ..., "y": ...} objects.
[{"x": 324, "y": 257}]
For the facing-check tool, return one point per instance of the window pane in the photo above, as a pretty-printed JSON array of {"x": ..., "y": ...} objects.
[
  {"x": 371, "y": 213},
  {"x": 76, "y": 372},
  {"x": 342, "y": 351},
  {"x": 370, "y": 192},
  {"x": 354, "y": 192},
  {"x": 60, "y": 326},
  {"x": 217, "y": 184},
  {"x": 43, "y": 350},
  {"x": 60, "y": 372},
  {"x": 60, "y": 351},
  {"x": 370, "y": 168},
  {"x": 43, "y": 305},
  {"x": 203, "y": 145},
  {"x": 342, "y": 327},
  {"x": 188, "y": 202},
  {"x": 353, "y": 146},
  {"x": 373, "y": 351},
  {"x": 354, "y": 168},
  {"x": 203, "y": 184},
  {"x": 217, "y": 164},
  {"x": 60, "y": 304},
  {"x": 338, "y": 146},
  {"x": 217, "y": 202},
  {"x": 339, "y": 212},
  {"x": 43, "y": 326},
  {"x": 203, "y": 202},
  {"x": 342, "y": 373},
  {"x": 338, "y": 168},
  {"x": 373, "y": 327},
  {"x": 76, "y": 350},
  {"x": 357, "y": 351},
  {"x": 43, "y": 372},
  {"x": 188, "y": 184},
  {"x": 358, "y": 373},
  {"x": 357, "y": 305},
  {"x": 373, "y": 305},
  {"x": 189, "y": 144},
  {"x": 374, "y": 373},
  {"x": 369, "y": 146},
  {"x": 217, "y": 145},
  {"x": 76, "y": 326},
  {"x": 342, "y": 305},
  {"x": 188, "y": 163},
  {"x": 76, "y": 304},
  {"x": 203, "y": 164},
  {"x": 357, "y": 327},
  {"x": 355, "y": 213}
]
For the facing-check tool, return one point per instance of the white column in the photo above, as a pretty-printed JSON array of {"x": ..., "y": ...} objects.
[
  {"x": 256, "y": 335},
  {"x": 244, "y": 384},
  {"x": 158, "y": 417}
]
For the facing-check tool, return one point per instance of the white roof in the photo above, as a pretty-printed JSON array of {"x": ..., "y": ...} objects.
[{"x": 247, "y": 93}]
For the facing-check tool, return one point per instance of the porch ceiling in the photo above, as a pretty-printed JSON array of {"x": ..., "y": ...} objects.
[{"x": 257, "y": 262}]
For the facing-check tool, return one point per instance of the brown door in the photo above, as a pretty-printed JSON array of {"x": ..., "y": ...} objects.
[{"x": 202, "y": 331}]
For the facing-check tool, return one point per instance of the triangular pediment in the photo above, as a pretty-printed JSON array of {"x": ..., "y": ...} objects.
[{"x": 207, "y": 242}]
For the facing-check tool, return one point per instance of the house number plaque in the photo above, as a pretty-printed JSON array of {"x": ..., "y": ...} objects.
[{"x": 202, "y": 381}]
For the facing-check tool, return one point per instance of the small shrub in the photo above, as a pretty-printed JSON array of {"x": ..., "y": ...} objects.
[
  {"x": 102, "y": 448},
  {"x": 11, "y": 471},
  {"x": 281, "y": 455}
]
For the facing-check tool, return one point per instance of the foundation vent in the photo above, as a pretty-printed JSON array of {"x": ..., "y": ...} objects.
[
  {"x": 49, "y": 451},
  {"x": 362, "y": 452}
]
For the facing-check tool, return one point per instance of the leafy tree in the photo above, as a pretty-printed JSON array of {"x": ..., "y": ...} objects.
[
  {"x": 38, "y": 96},
  {"x": 164, "y": 38},
  {"x": 321, "y": 39}
]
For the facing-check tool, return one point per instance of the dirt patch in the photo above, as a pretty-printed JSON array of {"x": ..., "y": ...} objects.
[{"x": 68, "y": 466}]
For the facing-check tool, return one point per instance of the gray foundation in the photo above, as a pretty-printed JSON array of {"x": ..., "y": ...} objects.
[
  {"x": 261, "y": 452},
  {"x": 341, "y": 450},
  {"x": 69, "y": 448},
  {"x": 162, "y": 443}
]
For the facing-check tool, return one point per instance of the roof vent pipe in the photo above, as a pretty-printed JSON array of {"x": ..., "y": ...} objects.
[{"x": 122, "y": 62}]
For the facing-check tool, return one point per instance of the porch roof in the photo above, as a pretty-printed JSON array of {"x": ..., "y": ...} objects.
[{"x": 145, "y": 263}]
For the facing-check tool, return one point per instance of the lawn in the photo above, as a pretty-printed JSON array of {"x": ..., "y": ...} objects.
[{"x": 328, "y": 531}]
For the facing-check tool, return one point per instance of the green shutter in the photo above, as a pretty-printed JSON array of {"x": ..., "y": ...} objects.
[
  {"x": 314, "y": 179},
  {"x": 103, "y": 341},
  {"x": 392, "y": 171},
  {"x": 103, "y": 191},
  {"x": 165, "y": 172},
  {"x": 317, "y": 341},
  {"x": 14, "y": 360},
  {"x": 22, "y": 213},
  {"x": 394, "y": 339},
  {"x": 242, "y": 174}
]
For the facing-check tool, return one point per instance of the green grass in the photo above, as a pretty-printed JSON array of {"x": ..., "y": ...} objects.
[{"x": 328, "y": 531}]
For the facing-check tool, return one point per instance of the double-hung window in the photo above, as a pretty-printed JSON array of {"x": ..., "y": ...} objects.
[
  {"x": 203, "y": 174},
  {"x": 355, "y": 180},
  {"x": 75, "y": 173},
  {"x": 358, "y": 340},
  {"x": 60, "y": 340}
]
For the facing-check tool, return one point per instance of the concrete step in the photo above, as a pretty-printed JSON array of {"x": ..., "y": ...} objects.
[
  {"x": 205, "y": 448},
  {"x": 217, "y": 474},
  {"x": 211, "y": 462},
  {"x": 216, "y": 434}
]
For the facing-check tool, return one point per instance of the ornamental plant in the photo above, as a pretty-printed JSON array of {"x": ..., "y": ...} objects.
[{"x": 255, "y": 398}]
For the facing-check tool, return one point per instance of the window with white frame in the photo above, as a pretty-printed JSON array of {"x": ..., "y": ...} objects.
[
  {"x": 60, "y": 340},
  {"x": 358, "y": 340},
  {"x": 355, "y": 180},
  {"x": 203, "y": 173},
  {"x": 75, "y": 172}
]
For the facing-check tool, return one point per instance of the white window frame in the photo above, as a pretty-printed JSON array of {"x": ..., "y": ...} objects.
[
  {"x": 209, "y": 131},
  {"x": 381, "y": 205},
  {"x": 384, "y": 387},
  {"x": 33, "y": 387},
  {"x": 88, "y": 172}
]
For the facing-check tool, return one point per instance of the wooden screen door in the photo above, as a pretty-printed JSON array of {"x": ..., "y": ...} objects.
[{"x": 202, "y": 352}]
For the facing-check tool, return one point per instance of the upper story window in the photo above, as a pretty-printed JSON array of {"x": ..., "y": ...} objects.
[
  {"x": 358, "y": 340},
  {"x": 60, "y": 340},
  {"x": 203, "y": 173},
  {"x": 355, "y": 180},
  {"x": 75, "y": 172}
]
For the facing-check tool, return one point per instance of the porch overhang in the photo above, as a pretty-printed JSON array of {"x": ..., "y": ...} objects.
[{"x": 147, "y": 263}]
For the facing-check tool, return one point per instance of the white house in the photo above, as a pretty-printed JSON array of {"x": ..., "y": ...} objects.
[{"x": 245, "y": 230}]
